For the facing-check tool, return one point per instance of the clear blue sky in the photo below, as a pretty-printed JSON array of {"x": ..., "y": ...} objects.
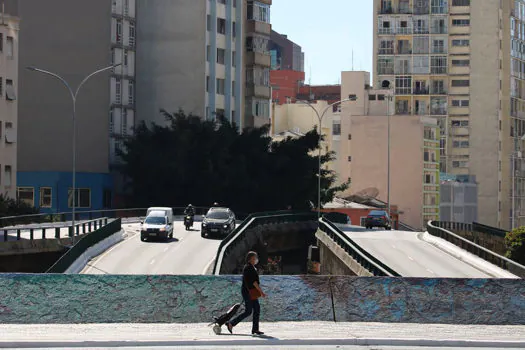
[{"x": 327, "y": 31}]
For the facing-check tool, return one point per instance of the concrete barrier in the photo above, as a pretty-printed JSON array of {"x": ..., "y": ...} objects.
[{"x": 64, "y": 299}]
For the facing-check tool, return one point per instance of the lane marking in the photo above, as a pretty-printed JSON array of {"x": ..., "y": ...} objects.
[
  {"x": 429, "y": 270},
  {"x": 394, "y": 247},
  {"x": 411, "y": 258},
  {"x": 166, "y": 249},
  {"x": 152, "y": 262},
  {"x": 205, "y": 271}
]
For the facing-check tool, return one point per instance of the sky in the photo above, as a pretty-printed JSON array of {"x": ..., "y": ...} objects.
[{"x": 327, "y": 31}]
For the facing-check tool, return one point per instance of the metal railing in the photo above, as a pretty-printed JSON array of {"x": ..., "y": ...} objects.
[
  {"x": 55, "y": 231},
  {"x": 404, "y": 227},
  {"x": 496, "y": 259},
  {"x": 361, "y": 256}
]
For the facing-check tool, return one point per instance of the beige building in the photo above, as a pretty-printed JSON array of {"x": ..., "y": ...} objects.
[
  {"x": 207, "y": 57},
  {"x": 357, "y": 132},
  {"x": 9, "y": 28},
  {"x": 462, "y": 63}
]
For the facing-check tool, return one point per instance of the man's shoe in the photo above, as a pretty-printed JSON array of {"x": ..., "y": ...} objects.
[
  {"x": 230, "y": 327},
  {"x": 257, "y": 333}
]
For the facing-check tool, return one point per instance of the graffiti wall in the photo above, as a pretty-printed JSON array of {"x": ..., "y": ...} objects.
[{"x": 30, "y": 298}]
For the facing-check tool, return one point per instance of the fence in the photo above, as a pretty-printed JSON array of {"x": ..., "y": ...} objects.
[
  {"x": 84, "y": 244},
  {"x": 494, "y": 258},
  {"x": 361, "y": 256}
]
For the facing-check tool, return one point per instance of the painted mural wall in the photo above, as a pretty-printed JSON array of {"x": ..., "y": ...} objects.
[{"x": 46, "y": 298}]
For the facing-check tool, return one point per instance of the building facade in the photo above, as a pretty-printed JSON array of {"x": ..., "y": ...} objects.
[
  {"x": 50, "y": 39},
  {"x": 285, "y": 85},
  {"x": 461, "y": 62},
  {"x": 9, "y": 56},
  {"x": 459, "y": 199},
  {"x": 227, "y": 72},
  {"x": 286, "y": 55}
]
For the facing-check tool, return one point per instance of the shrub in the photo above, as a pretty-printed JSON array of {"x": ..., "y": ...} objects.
[{"x": 515, "y": 243}]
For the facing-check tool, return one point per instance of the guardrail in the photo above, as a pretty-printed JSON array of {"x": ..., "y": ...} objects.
[
  {"x": 66, "y": 217},
  {"x": 80, "y": 228},
  {"x": 405, "y": 227},
  {"x": 255, "y": 220},
  {"x": 84, "y": 244},
  {"x": 361, "y": 256},
  {"x": 496, "y": 259}
]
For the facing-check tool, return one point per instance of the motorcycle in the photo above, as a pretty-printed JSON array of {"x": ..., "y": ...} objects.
[{"x": 188, "y": 222}]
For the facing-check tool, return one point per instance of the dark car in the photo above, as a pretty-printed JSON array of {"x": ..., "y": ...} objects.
[
  {"x": 338, "y": 218},
  {"x": 378, "y": 218},
  {"x": 218, "y": 222}
]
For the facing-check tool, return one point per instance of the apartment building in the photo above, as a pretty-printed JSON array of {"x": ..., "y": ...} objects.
[
  {"x": 74, "y": 38},
  {"x": 206, "y": 57},
  {"x": 286, "y": 55},
  {"x": 461, "y": 62},
  {"x": 9, "y": 31},
  {"x": 357, "y": 132}
]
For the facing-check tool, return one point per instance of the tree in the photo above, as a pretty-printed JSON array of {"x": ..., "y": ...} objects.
[
  {"x": 515, "y": 243},
  {"x": 191, "y": 160},
  {"x": 13, "y": 207}
]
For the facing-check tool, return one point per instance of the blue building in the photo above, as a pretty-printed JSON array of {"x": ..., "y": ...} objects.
[{"x": 51, "y": 192}]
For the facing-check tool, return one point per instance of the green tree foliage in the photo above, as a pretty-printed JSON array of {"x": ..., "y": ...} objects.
[
  {"x": 200, "y": 162},
  {"x": 12, "y": 207},
  {"x": 515, "y": 243}
]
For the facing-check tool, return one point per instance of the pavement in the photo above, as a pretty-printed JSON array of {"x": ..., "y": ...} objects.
[
  {"x": 186, "y": 254},
  {"x": 412, "y": 257},
  {"x": 278, "y": 335}
]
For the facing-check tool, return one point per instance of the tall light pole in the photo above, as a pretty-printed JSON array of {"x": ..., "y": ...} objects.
[
  {"x": 320, "y": 118},
  {"x": 73, "y": 95},
  {"x": 390, "y": 97}
]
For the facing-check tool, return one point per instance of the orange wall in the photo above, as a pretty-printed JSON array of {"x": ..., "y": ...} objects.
[{"x": 285, "y": 83}]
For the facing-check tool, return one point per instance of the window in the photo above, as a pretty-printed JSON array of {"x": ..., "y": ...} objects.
[
  {"x": 460, "y": 144},
  {"x": 1, "y": 42},
  {"x": 349, "y": 158},
  {"x": 221, "y": 53},
  {"x": 208, "y": 22},
  {"x": 119, "y": 31},
  {"x": 371, "y": 97},
  {"x": 460, "y": 103},
  {"x": 257, "y": 44},
  {"x": 221, "y": 26},
  {"x": 460, "y": 123},
  {"x": 460, "y": 2},
  {"x": 438, "y": 46},
  {"x": 7, "y": 176},
  {"x": 386, "y": 47},
  {"x": 429, "y": 179},
  {"x": 125, "y": 58},
  {"x": 461, "y": 22},
  {"x": 460, "y": 83},
  {"x": 126, "y": 7},
  {"x": 207, "y": 83},
  {"x": 131, "y": 35},
  {"x": 208, "y": 53},
  {"x": 336, "y": 128},
  {"x": 234, "y": 62},
  {"x": 234, "y": 29},
  {"x": 131, "y": 93},
  {"x": 233, "y": 88},
  {"x": 438, "y": 65},
  {"x": 10, "y": 49},
  {"x": 9, "y": 90},
  {"x": 118, "y": 91},
  {"x": 10, "y": 133},
  {"x": 1, "y": 86},
  {"x": 82, "y": 198},
  {"x": 258, "y": 11},
  {"x": 107, "y": 199},
  {"x": 460, "y": 42},
  {"x": 460, "y": 164},
  {"x": 220, "y": 86},
  {"x": 403, "y": 85},
  {"x": 461, "y": 63},
  {"x": 46, "y": 197},
  {"x": 26, "y": 195},
  {"x": 380, "y": 97}
]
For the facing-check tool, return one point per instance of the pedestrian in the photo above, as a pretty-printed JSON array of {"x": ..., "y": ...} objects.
[{"x": 251, "y": 292}]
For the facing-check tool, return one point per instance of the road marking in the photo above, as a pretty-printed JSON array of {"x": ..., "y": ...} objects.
[
  {"x": 166, "y": 249},
  {"x": 429, "y": 270},
  {"x": 99, "y": 258},
  {"x": 411, "y": 258},
  {"x": 152, "y": 262},
  {"x": 394, "y": 247},
  {"x": 205, "y": 271}
]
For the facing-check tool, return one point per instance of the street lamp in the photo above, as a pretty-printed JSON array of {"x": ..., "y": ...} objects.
[
  {"x": 74, "y": 95},
  {"x": 320, "y": 117}
]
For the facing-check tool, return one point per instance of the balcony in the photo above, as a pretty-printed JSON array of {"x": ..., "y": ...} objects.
[
  {"x": 404, "y": 51},
  {"x": 438, "y": 111},
  {"x": 421, "y": 91},
  {"x": 258, "y": 59},
  {"x": 438, "y": 70},
  {"x": 403, "y": 91},
  {"x": 438, "y": 91},
  {"x": 402, "y": 110},
  {"x": 259, "y": 91},
  {"x": 258, "y": 27}
]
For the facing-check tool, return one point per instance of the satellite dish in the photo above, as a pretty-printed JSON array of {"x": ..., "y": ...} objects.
[
  {"x": 370, "y": 192},
  {"x": 385, "y": 84}
]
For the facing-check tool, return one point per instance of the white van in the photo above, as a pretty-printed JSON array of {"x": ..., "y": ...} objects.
[{"x": 161, "y": 211}]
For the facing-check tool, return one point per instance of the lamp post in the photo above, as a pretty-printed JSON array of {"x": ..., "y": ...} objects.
[
  {"x": 73, "y": 95},
  {"x": 320, "y": 118}
]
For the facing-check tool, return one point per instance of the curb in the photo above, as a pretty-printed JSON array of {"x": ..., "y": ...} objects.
[{"x": 271, "y": 342}]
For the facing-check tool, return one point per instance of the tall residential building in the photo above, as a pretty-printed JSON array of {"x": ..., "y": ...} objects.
[
  {"x": 462, "y": 63},
  {"x": 73, "y": 38},
  {"x": 286, "y": 55},
  {"x": 9, "y": 29},
  {"x": 357, "y": 132},
  {"x": 207, "y": 57}
]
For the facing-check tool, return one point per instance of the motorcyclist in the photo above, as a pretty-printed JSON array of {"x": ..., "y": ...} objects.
[{"x": 189, "y": 210}]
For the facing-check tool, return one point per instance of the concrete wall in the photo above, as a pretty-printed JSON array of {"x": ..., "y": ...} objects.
[
  {"x": 72, "y": 39},
  {"x": 62, "y": 299},
  {"x": 171, "y": 58}
]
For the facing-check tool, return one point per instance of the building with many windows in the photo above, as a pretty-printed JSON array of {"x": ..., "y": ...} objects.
[
  {"x": 461, "y": 62},
  {"x": 9, "y": 29},
  {"x": 207, "y": 57},
  {"x": 73, "y": 39}
]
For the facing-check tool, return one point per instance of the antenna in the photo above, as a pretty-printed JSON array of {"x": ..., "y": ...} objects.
[{"x": 352, "y": 58}]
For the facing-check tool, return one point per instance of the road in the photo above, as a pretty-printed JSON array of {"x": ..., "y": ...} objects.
[
  {"x": 186, "y": 254},
  {"x": 411, "y": 257}
]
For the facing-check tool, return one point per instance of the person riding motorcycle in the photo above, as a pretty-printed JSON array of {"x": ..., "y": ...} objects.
[{"x": 189, "y": 210}]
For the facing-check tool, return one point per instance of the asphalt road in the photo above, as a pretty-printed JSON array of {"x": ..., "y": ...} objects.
[
  {"x": 186, "y": 254},
  {"x": 411, "y": 257}
]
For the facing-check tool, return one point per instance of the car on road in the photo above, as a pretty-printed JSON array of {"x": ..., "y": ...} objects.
[
  {"x": 338, "y": 218},
  {"x": 378, "y": 218},
  {"x": 219, "y": 222},
  {"x": 156, "y": 227}
]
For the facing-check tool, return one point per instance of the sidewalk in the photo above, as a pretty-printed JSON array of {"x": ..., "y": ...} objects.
[{"x": 277, "y": 334}]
